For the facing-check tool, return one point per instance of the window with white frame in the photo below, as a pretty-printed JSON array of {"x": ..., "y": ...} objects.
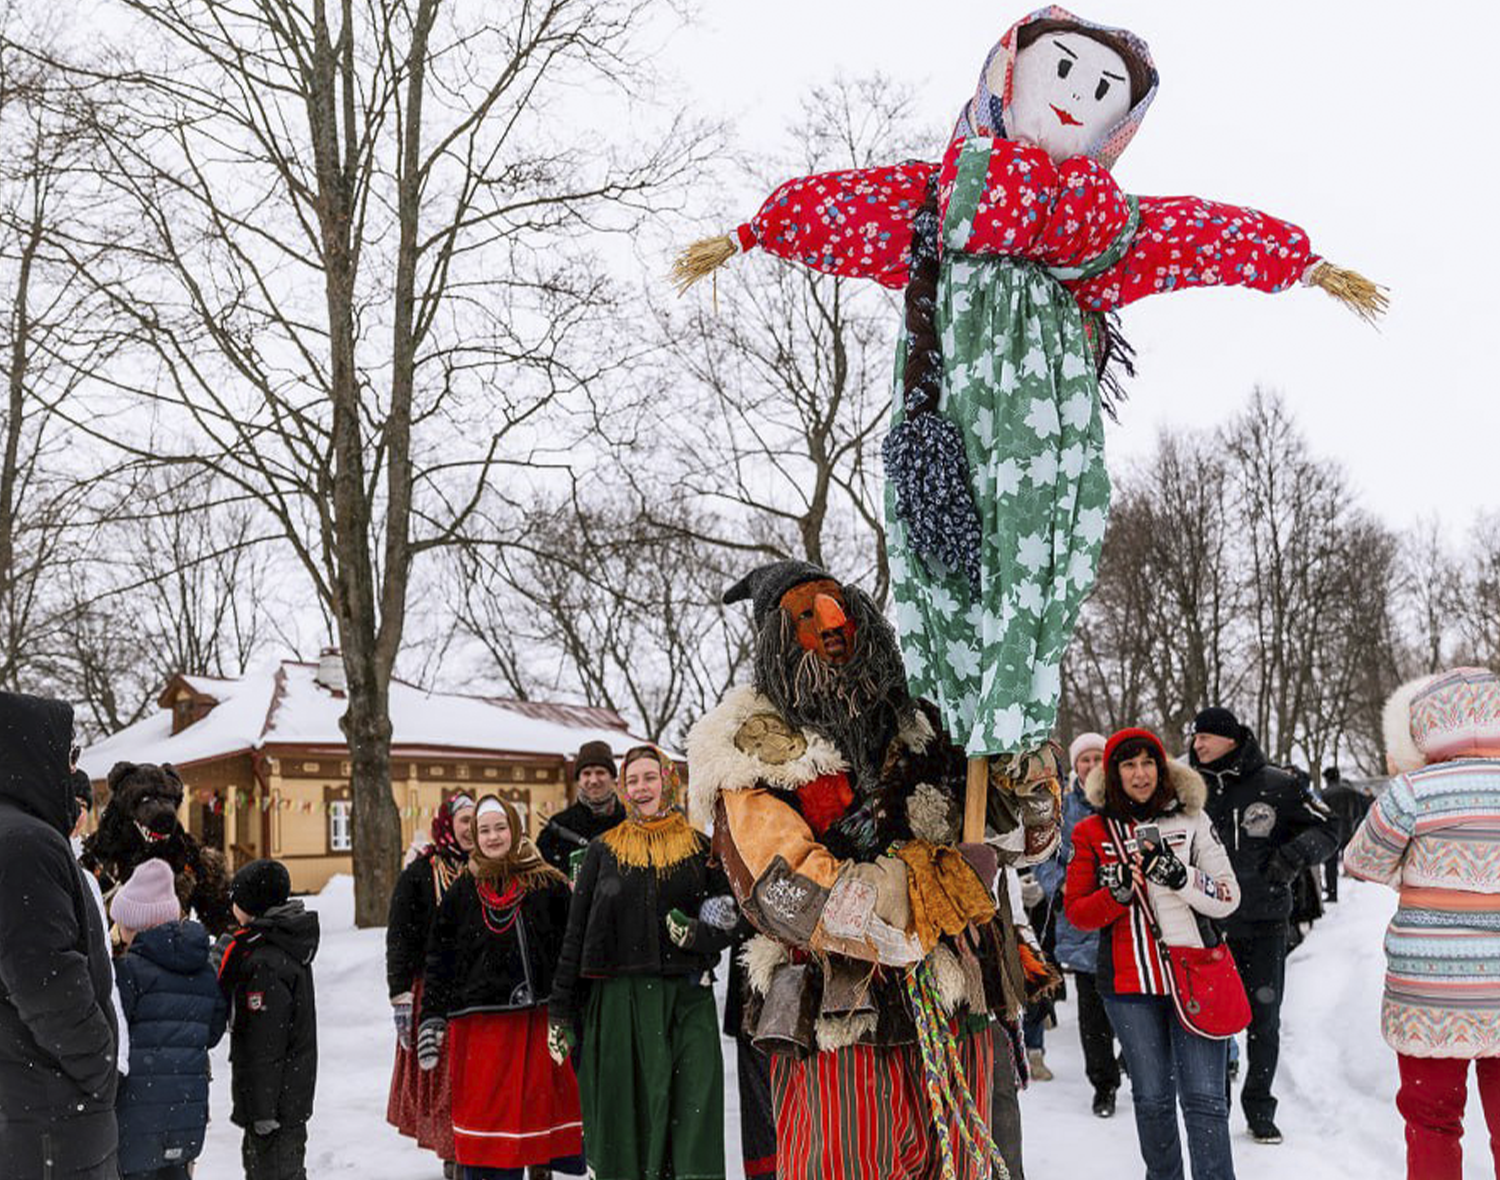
[{"x": 340, "y": 835}]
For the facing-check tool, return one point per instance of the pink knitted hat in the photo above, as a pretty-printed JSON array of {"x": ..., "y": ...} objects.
[{"x": 148, "y": 899}]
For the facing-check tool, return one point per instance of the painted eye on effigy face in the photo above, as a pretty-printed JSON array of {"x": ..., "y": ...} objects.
[{"x": 1067, "y": 91}]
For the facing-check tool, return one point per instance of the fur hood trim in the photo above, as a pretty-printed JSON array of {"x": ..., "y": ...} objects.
[
  {"x": 722, "y": 758},
  {"x": 1191, "y": 790},
  {"x": 1450, "y": 714},
  {"x": 1395, "y": 727}
]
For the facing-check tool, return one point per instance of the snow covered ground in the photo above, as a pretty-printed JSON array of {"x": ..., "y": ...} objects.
[{"x": 1336, "y": 1082}]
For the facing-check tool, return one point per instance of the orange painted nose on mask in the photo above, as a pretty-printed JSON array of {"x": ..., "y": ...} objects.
[{"x": 828, "y": 614}]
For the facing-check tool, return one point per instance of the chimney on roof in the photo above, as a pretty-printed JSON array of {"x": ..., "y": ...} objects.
[{"x": 331, "y": 671}]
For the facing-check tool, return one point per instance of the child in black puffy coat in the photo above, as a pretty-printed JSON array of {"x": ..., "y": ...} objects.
[{"x": 273, "y": 1040}]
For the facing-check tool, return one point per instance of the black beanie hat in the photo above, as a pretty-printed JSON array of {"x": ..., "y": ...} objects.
[
  {"x": 1219, "y": 721},
  {"x": 765, "y": 586},
  {"x": 260, "y": 886},
  {"x": 595, "y": 754}
]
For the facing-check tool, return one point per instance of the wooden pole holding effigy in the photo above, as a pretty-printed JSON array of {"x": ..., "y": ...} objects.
[{"x": 976, "y": 798}]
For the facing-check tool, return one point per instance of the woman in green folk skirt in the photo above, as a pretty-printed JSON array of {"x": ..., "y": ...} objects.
[{"x": 648, "y": 921}]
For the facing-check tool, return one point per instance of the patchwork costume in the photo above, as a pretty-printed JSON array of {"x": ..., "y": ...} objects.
[
  {"x": 997, "y": 493},
  {"x": 880, "y": 958}
]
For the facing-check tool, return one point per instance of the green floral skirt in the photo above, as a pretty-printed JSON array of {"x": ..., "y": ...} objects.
[{"x": 1019, "y": 382}]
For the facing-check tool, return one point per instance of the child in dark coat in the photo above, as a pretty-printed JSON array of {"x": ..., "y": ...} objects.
[
  {"x": 175, "y": 1013},
  {"x": 273, "y": 1040}
]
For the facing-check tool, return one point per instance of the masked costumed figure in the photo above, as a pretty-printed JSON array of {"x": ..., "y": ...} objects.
[
  {"x": 1014, "y": 251},
  {"x": 140, "y": 823},
  {"x": 421, "y": 1101},
  {"x": 881, "y": 958}
]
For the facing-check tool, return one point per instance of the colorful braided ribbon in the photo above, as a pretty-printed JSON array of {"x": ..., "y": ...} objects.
[{"x": 948, "y": 1093}]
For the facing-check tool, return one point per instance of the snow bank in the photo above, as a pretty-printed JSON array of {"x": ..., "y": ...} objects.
[{"x": 1337, "y": 1080}]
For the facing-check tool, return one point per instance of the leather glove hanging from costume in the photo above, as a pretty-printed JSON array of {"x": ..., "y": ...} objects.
[
  {"x": 1161, "y": 867},
  {"x": 430, "y": 1038},
  {"x": 1116, "y": 878},
  {"x": 1281, "y": 869},
  {"x": 265, "y": 1126},
  {"x": 560, "y": 1041},
  {"x": 401, "y": 1015},
  {"x": 985, "y": 862}
]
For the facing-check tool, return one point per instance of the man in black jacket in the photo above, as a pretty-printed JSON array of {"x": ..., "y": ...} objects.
[
  {"x": 273, "y": 1030},
  {"x": 58, "y": 1039},
  {"x": 594, "y": 812},
  {"x": 1274, "y": 829}
]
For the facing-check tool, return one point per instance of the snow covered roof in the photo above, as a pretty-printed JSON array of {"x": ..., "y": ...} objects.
[{"x": 287, "y": 706}]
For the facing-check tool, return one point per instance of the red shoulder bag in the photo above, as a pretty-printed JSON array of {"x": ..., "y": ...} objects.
[{"x": 1204, "y": 982}]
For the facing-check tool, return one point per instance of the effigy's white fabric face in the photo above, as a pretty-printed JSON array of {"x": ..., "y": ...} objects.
[{"x": 1067, "y": 92}]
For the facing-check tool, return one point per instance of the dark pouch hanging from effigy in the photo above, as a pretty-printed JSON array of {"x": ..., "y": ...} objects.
[{"x": 789, "y": 1015}]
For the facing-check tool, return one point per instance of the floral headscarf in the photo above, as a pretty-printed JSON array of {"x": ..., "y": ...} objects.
[{"x": 444, "y": 838}]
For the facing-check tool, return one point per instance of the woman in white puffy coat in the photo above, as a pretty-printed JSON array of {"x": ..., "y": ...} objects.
[{"x": 1182, "y": 872}]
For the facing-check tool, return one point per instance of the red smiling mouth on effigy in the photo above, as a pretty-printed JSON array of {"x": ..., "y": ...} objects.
[{"x": 1065, "y": 118}]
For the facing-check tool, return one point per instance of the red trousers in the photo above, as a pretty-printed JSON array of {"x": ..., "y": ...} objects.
[{"x": 1431, "y": 1100}]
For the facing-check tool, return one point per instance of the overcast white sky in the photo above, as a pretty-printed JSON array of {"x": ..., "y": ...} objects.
[{"x": 1374, "y": 134}]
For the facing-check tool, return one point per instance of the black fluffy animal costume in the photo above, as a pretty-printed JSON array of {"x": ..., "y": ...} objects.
[{"x": 140, "y": 823}]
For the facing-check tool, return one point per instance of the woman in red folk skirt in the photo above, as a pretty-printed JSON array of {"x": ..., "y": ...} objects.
[
  {"x": 497, "y": 937},
  {"x": 420, "y": 1099}
]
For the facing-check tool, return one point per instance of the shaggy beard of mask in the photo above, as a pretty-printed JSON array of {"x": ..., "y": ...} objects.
[{"x": 855, "y": 704}]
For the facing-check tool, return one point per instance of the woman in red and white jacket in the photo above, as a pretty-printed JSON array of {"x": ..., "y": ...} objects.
[{"x": 1185, "y": 877}]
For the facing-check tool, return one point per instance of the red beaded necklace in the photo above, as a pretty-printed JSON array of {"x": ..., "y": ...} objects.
[{"x": 500, "y": 910}]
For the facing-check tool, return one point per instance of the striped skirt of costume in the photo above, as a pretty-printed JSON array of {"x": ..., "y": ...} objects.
[{"x": 862, "y": 1111}]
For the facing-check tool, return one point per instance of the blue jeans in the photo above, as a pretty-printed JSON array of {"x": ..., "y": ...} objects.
[{"x": 1168, "y": 1064}]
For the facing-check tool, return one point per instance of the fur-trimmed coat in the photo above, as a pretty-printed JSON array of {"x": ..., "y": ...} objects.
[
  {"x": 784, "y": 813},
  {"x": 1130, "y": 962}
]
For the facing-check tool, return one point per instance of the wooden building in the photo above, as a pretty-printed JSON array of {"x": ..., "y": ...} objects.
[{"x": 267, "y": 769}]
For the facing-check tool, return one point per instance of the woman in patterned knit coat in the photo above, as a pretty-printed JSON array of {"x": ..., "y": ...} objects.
[{"x": 1434, "y": 836}]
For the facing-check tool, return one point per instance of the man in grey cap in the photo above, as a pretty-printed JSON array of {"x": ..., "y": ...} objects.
[{"x": 596, "y": 809}]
